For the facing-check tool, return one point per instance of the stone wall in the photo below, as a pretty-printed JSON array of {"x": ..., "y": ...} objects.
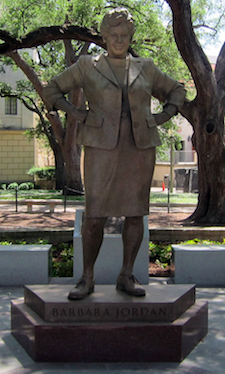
[{"x": 16, "y": 155}]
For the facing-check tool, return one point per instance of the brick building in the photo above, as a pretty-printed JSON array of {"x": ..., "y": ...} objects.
[{"x": 17, "y": 154}]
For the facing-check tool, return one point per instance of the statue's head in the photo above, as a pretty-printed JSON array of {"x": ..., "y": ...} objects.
[{"x": 116, "y": 17}]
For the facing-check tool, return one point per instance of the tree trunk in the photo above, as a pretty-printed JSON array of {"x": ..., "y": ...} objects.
[
  {"x": 59, "y": 167},
  {"x": 62, "y": 141},
  {"x": 206, "y": 115},
  {"x": 73, "y": 177},
  {"x": 72, "y": 151},
  {"x": 208, "y": 142}
]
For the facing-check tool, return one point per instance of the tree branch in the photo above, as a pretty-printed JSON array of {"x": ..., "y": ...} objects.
[
  {"x": 28, "y": 71},
  {"x": 220, "y": 69},
  {"x": 4, "y": 35},
  {"x": 190, "y": 48},
  {"x": 32, "y": 76},
  {"x": 200, "y": 25},
  {"x": 56, "y": 123},
  {"x": 70, "y": 55},
  {"x": 44, "y": 35}
]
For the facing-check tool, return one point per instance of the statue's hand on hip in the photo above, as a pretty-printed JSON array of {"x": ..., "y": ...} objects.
[
  {"x": 161, "y": 118},
  {"x": 79, "y": 114}
]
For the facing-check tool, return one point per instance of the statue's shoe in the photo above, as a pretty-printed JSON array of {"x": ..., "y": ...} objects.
[
  {"x": 83, "y": 289},
  {"x": 129, "y": 285}
]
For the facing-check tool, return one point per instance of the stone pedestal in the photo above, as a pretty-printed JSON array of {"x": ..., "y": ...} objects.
[
  {"x": 202, "y": 265},
  {"x": 109, "y": 326},
  {"x": 24, "y": 264},
  {"x": 110, "y": 258}
]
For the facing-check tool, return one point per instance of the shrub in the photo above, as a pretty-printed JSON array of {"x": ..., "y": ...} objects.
[
  {"x": 160, "y": 253},
  {"x": 30, "y": 185},
  {"x": 47, "y": 173},
  {"x": 62, "y": 262},
  {"x": 12, "y": 186},
  {"x": 23, "y": 186},
  {"x": 26, "y": 186},
  {"x": 3, "y": 186}
]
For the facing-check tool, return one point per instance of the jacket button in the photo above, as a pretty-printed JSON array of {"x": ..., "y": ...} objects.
[{"x": 136, "y": 124}]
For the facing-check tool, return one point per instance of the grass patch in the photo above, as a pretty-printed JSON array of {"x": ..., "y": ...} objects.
[
  {"x": 156, "y": 197},
  {"x": 182, "y": 198},
  {"x": 37, "y": 194}
]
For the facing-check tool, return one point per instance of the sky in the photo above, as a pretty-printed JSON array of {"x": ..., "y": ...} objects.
[{"x": 214, "y": 49}]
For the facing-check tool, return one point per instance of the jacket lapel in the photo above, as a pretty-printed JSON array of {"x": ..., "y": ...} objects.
[
  {"x": 103, "y": 67},
  {"x": 134, "y": 69}
]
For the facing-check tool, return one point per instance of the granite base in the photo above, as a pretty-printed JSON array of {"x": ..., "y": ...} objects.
[{"x": 105, "y": 340}]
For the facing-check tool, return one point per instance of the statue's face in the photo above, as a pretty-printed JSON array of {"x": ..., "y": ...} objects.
[{"x": 118, "y": 41}]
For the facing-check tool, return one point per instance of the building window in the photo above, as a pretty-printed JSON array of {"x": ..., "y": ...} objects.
[{"x": 11, "y": 105}]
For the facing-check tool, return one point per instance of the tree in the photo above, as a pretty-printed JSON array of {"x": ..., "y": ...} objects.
[
  {"x": 20, "y": 18},
  {"x": 206, "y": 114},
  {"x": 54, "y": 46},
  {"x": 26, "y": 94}
]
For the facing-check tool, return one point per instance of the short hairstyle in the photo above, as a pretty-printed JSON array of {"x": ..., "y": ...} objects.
[{"x": 116, "y": 17}]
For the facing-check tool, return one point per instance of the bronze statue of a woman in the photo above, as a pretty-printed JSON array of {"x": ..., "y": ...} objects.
[{"x": 119, "y": 135}]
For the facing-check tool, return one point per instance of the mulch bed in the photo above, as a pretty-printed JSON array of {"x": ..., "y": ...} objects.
[
  {"x": 162, "y": 219},
  {"x": 40, "y": 221},
  {"x": 156, "y": 271},
  {"x": 66, "y": 220}
]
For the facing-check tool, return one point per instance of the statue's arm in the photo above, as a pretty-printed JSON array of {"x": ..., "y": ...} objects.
[
  {"x": 168, "y": 91},
  {"x": 54, "y": 93},
  {"x": 66, "y": 106},
  {"x": 169, "y": 111}
]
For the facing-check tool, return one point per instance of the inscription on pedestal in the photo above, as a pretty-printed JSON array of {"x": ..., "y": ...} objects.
[{"x": 114, "y": 314}]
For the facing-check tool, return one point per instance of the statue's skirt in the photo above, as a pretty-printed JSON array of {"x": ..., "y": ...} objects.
[{"x": 117, "y": 182}]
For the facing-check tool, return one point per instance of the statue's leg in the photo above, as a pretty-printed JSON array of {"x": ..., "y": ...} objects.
[
  {"x": 132, "y": 237},
  {"x": 92, "y": 237}
]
